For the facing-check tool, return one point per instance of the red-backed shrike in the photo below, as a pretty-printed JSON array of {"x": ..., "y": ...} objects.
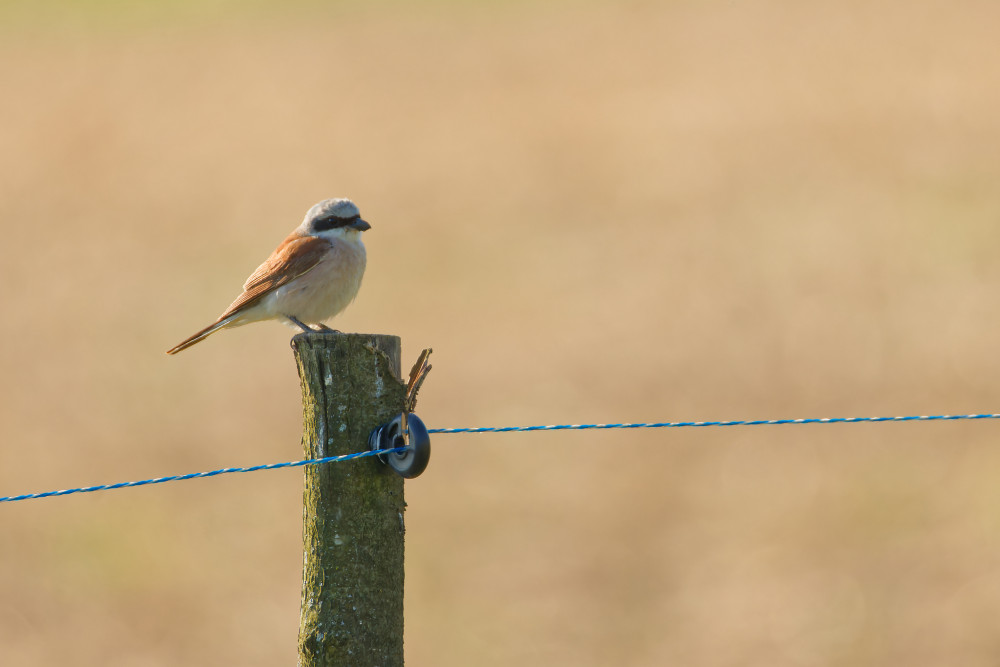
[{"x": 310, "y": 277}]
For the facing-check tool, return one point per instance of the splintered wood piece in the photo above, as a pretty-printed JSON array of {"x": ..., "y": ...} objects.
[{"x": 417, "y": 376}]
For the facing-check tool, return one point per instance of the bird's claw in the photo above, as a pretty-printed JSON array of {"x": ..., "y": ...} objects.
[{"x": 319, "y": 328}]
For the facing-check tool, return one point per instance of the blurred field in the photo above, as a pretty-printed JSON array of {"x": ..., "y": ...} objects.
[{"x": 592, "y": 212}]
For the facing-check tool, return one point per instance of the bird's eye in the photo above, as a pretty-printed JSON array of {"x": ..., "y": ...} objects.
[{"x": 332, "y": 222}]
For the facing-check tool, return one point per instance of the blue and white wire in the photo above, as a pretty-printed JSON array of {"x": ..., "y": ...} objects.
[{"x": 498, "y": 429}]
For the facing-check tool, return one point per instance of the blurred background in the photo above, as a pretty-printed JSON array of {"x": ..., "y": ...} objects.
[{"x": 593, "y": 212}]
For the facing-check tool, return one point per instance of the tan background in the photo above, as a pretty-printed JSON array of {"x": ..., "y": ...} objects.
[{"x": 593, "y": 212}]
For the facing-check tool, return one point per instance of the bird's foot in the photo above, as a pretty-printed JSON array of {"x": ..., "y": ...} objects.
[
  {"x": 305, "y": 328},
  {"x": 319, "y": 328}
]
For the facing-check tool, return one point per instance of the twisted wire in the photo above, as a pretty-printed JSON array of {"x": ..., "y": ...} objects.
[
  {"x": 199, "y": 475},
  {"x": 495, "y": 429},
  {"x": 749, "y": 422}
]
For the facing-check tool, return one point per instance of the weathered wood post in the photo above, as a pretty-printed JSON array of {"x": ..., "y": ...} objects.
[{"x": 352, "y": 571}]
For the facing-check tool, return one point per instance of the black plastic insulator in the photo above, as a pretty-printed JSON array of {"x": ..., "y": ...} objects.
[{"x": 416, "y": 445}]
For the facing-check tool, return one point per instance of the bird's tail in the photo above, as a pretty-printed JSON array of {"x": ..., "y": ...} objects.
[{"x": 202, "y": 335}]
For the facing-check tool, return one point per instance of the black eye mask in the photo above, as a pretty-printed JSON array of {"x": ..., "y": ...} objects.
[{"x": 333, "y": 222}]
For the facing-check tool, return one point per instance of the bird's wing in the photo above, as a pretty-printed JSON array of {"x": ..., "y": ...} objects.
[{"x": 296, "y": 256}]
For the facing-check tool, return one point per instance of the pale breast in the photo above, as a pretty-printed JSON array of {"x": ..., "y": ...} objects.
[{"x": 325, "y": 290}]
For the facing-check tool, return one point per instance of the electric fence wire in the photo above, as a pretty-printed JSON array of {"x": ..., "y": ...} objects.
[{"x": 496, "y": 429}]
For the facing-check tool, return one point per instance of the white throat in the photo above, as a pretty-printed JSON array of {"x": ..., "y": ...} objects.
[{"x": 345, "y": 234}]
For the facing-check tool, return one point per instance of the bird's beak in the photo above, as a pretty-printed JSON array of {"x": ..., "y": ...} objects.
[{"x": 360, "y": 225}]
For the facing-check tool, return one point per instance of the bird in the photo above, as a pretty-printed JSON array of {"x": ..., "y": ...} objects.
[{"x": 310, "y": 277}]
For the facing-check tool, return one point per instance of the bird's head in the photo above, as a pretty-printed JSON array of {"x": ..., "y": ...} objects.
[{"x": 333, "y": 218}]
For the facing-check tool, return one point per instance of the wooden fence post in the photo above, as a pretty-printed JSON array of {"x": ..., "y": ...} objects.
[{"x": 352, "y": 572}]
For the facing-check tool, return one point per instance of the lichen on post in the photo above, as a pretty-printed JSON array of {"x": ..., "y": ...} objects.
[{"x": 352, "y": 579}]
